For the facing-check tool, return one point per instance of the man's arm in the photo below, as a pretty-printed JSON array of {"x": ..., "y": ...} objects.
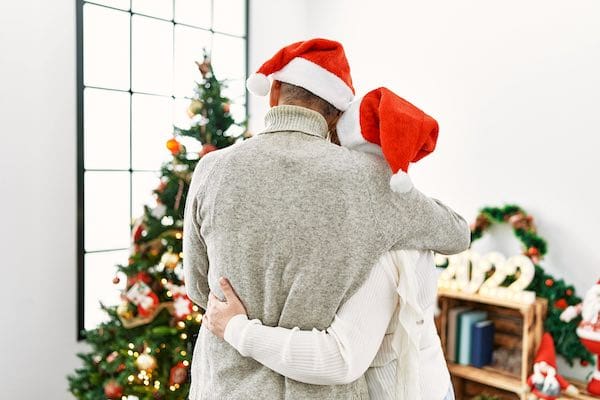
[
  {"x": 338, "y": 355},
  {"x": 195, "y": 259},
  {"x": 413, "y": 220}
]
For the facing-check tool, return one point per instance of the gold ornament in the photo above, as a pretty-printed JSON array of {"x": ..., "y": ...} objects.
[
  {"x": 123, "y": 311},
  {"x": 145, "y": 362},
  {"x": 194, "y": 108},
  {"x": 169, "y": 260}
]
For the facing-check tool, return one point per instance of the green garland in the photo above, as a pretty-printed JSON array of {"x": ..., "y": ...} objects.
[{"x": 559, "y": 294}]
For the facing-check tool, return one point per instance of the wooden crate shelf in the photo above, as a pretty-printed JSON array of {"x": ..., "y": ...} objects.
[{"x": 520, "y": 327}]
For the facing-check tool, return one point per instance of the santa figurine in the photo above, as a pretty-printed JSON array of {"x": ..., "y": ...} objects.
[
  {"x": 545, "y": 383},
  {"x": 588, "y": 329}
]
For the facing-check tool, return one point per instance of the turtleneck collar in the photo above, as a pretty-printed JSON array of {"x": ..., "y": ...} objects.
[{"x": 295, "y": 118}]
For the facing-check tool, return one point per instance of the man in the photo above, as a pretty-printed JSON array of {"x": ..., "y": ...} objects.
[{"x": 267, "y": 211}]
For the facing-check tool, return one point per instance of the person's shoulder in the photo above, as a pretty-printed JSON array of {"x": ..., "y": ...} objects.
[{"x": 367, "y": 163}]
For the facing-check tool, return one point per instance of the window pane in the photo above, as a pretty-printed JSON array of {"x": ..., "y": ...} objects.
[
  {"x": 106, "y": 131},
  {"x": 189, "y": 45},
  {"x": 193, "y": 12},
  {"x": 100, "y": 269},
  {"x": 122, "y": 4},
  {"x": 234, "y": 90},
  {"x": 156, "y": 8},
  {"x": 142, "y": 185},
  {"x": 229, "y": 57},
  {"x": 107, "y": 223},
  {"x": 230, "y": 16},
  {"x": 152, "y": 126},
  {"x": 152, "y": 55},
  {"x": 106, "y": 44}
]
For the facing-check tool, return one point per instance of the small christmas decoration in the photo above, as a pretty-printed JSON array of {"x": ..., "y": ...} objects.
[
  {"x": 123, "y": 311},
  {"x": 170, "y": 260},
  {"x": 545, "y": 383},
  {"x": 143, "y": 297},
  {"x": 174, "y": 146},
  {"x": 588, "y": 329},
  {"x": 145, "y": 362},
  {"x": 195, "y": 107},
  {"x": 113, "y": 390},
  {"x": 178, "y": 374},
  {"x": 207, "y": 148}
]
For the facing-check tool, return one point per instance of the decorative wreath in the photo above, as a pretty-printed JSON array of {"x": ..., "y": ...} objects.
[{"x": 559, "y": 294}]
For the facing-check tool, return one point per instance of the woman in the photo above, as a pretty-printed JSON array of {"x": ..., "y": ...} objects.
[{"x": 395, "y": 344}]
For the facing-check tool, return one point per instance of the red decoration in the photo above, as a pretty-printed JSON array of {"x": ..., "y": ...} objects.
[
  {"x": 569, "y": 292},
  {"x": 561, "y": 304},
  {"x": 178, "y": 374},
  {"x": 207, "y": 148},
  {"x": 137, "y": 231},
  {"x": 116, "y": 280},
  {"x": 113, "y": 390},
  {"x": 549, "y": 282},
  {"x": 584, "y": 363},
  {"x": 226, "y": 107},
  {"x": 140, "y": 276},
  {"x": 174, "y": 146}
]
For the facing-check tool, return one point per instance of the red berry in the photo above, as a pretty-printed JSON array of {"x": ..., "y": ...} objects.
[{"x": 549, "y": 282}]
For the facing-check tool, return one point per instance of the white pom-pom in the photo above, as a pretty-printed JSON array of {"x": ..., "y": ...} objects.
[
  {"x": 400, "y": 182},
  {"x": 258, "y": 84}
]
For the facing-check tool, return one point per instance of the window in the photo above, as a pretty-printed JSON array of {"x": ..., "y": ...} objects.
[{"x": 135, "y": 75}]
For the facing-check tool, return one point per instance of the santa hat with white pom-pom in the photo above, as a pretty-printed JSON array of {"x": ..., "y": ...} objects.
[
  {"x": 383, "y": 123},
  {"x": 317, "y": 65}
]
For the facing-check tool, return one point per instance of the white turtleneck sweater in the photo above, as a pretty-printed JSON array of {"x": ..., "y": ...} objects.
[{"x": 371, "y": 334}]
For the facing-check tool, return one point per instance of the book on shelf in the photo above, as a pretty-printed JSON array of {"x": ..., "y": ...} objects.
[
  {"x": 452, "y": 333},
  {"x": 482, "y": 343},
  {"x": 466, "y": 321}
]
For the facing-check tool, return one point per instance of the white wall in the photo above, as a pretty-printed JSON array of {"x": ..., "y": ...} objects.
[{"x": 38, "y": 175}]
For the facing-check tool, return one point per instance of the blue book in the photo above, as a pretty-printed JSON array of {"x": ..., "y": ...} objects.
[
  {"x": 482, "y": 343},
  {"x": 465, "y": 323}
]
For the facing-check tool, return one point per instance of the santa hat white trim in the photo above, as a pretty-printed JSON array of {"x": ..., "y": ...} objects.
[
  {"x": 349, "y": 133},
  {"x": 588, "y": 334},
  {"x": 316, "y": 79},
  {"x": 400, "y": 182}
]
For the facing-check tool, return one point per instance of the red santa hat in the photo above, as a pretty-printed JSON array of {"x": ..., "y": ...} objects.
[
  {"x": 317, "y": 65},
  {"x": 383, "y": 123},
  {"x": 546, "y": 351}
]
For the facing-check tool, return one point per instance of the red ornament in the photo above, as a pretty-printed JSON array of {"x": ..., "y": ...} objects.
[
  {"x": 121, "y": 367},
  {"x": 178, "y": 374},
  {"x": 113, "y": 390},
  {"x": 569, "y": 292},
  {"x": 174, "y": 146},
  {"x": 533, "y": 251},
  {"x": 144, "y": 311},
  {"x": 207, "y": 148},
  {"x": 549, "y": 282},
  {"x": 561, "y": 304},
  {"x": 116, "y": 280},
  {"x": 584, "y": 363},
  {"x": 137, "y": 231},
  {"x": 226, "y": 107}
]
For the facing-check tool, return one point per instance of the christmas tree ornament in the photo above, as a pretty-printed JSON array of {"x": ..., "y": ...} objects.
[
  {"x": 178, "y": 374},
  {"x": 113, "y": 390},
  {"x": 207, "y": 148},
  {"x": 116, "y": 280},
  {"x": 173, "y": 146},
  {"x": 169, "y": 260},
  {"x": 226, "y": 107},
  {"x": 145, "y": 362},
  {"x": 137, "y": 230},
  {"x": 112, "y": 356},
  {"x": 123, "y": 311},
  {"x": 545, "y": 383},
  {"x": 194, "y": 108},
  {"x": 143, "y": 297},
  {"x": 588, "y": 329}
]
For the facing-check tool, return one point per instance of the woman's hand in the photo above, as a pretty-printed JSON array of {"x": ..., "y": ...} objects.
[{"x": 218, "y": 313}]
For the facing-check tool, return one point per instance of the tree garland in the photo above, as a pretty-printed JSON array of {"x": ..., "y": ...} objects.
[{"x": 559, "y": 294}]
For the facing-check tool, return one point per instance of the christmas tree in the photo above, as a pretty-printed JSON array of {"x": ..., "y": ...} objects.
[{"x": 144, "y": 350}]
